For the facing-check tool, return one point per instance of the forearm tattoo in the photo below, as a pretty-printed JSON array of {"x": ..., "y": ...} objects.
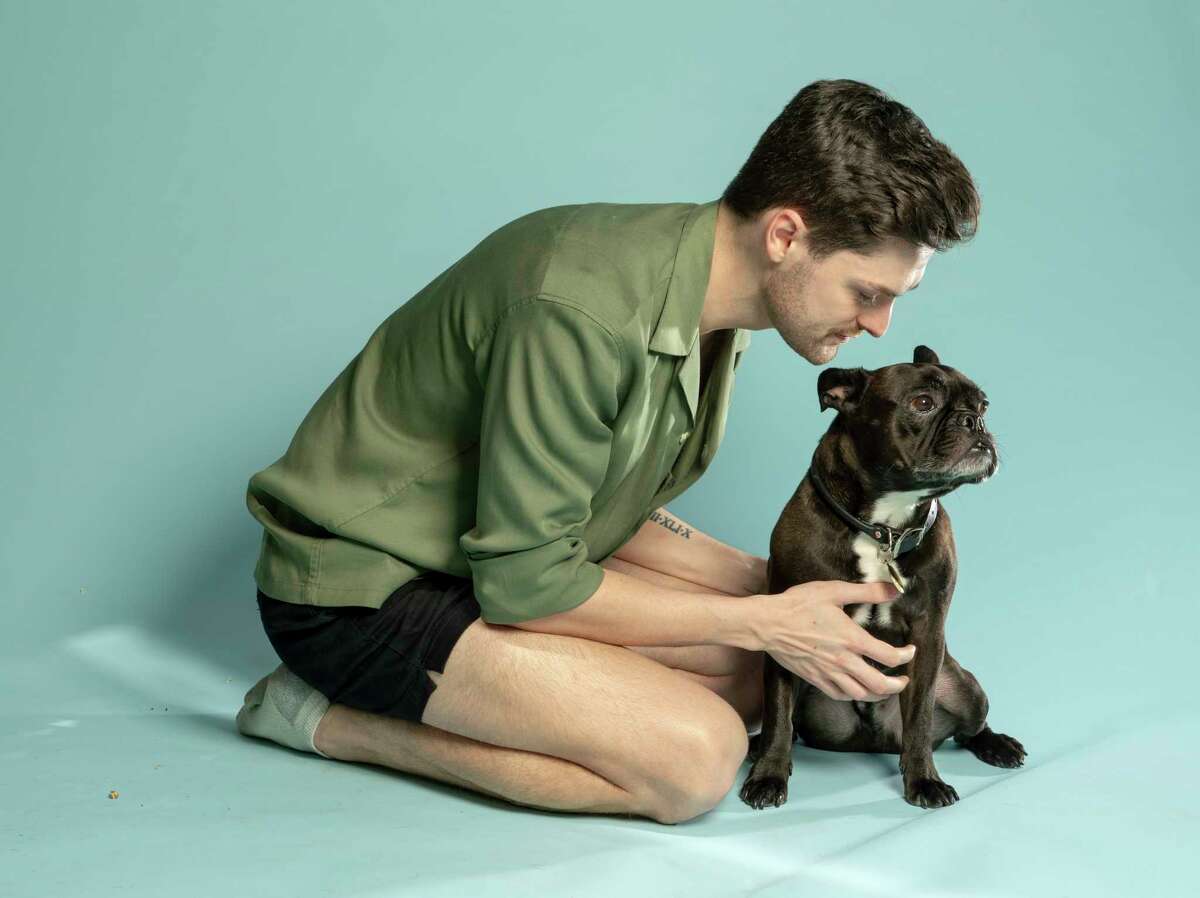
[{"x": 671, "y": 524}]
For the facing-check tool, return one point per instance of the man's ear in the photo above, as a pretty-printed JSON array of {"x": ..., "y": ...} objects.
[
  {"x": 923, "y": 355},
  {"x": 842, "y": 388}
]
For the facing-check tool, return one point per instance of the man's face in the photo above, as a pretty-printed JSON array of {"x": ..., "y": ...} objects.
[{"x": 813, "y": 305}]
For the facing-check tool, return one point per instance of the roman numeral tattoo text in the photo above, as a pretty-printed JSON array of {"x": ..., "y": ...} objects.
[{"x": 671, "y": 524}]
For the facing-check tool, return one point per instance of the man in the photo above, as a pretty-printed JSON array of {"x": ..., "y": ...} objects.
[{"x": 467, "y": 566}]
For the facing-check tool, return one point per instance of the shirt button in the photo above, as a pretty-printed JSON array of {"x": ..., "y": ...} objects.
[{"x": 683, "y": 437}]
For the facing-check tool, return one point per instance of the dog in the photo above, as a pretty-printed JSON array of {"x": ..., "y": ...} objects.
[{"x": 867, "y": 509}]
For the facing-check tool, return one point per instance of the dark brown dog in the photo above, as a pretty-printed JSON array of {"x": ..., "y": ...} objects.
[{"x": 867, "y": 510}]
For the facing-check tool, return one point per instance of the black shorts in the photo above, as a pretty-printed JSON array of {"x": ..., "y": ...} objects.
[{"x": 374, "y": 659}]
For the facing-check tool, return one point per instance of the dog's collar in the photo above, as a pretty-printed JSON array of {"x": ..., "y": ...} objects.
[{"x": 893, "y": 543}]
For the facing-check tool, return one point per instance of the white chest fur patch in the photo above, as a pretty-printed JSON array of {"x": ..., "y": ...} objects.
[{"x": 892, "y": 509}]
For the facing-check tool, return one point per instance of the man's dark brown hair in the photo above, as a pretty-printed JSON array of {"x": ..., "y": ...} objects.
[{"x": 860, "y": 167}]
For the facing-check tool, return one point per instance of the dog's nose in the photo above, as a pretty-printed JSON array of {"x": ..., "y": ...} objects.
[{"x": 972, "y": 422}]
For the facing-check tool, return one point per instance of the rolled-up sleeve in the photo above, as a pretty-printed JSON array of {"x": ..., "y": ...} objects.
[{"x": 550, "y": 374}]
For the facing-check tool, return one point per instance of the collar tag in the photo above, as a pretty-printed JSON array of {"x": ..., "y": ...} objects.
[{"x": 894, "y": 572}]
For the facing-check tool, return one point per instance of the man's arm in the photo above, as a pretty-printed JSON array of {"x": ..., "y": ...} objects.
[
  {"x": 667, "y": 544},
  {"x": 627, "y": 610},
  {"x": 549, "y": 373}
]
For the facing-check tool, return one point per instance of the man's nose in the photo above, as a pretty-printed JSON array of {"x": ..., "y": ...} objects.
[{"x": 875, "y": 321}]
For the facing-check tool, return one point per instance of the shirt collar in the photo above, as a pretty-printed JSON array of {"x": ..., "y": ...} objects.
[
  {"x": 678, "y": 327},
  {"x": 679, "y": 322}
]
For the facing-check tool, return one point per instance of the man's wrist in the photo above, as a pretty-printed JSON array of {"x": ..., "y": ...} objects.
[{"x": 746, "y": 621}]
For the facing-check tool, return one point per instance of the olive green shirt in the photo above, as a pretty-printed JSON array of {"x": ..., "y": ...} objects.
[{"x": 515, "y": 422}]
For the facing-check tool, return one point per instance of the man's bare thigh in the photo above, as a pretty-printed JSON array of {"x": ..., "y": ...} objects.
[{"x": 616, "y": 712}]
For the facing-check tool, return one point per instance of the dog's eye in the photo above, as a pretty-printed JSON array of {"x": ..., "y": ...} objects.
[
  {"x": 983, "y": 407},
  {"x": 922, "y": 403}
]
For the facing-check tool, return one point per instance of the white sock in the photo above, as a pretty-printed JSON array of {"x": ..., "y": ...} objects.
[{"x": 285, "y": 709}]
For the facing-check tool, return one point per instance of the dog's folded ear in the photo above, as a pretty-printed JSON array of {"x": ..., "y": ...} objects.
[
  {"x": 924, "y": 355},
  {"x": 842, "y": 388}
]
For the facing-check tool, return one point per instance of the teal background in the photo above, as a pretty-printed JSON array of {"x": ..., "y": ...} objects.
[{"x": 205, "y": 209}]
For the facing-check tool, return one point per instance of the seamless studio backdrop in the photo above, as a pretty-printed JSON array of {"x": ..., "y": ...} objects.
[{"x": 205, "y": 210}]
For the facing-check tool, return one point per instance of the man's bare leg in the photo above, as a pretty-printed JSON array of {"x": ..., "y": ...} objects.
[
  {"x": 514, "y": 753},
  {"x": 520, "y": 777}
]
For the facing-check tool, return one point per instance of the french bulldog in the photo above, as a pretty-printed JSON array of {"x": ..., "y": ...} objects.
[{"x": 868, "y": 509}]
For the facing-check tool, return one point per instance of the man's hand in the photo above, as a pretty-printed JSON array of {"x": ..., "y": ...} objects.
[{"x": 806, "y": 630}]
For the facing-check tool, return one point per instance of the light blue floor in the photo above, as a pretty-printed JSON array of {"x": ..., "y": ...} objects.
[{"x": 1108, "y": 809}]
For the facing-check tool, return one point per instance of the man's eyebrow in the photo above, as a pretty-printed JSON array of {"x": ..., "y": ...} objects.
[{"x": 878, "y": 289}]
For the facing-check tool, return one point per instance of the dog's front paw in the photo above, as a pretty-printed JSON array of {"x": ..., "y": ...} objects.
[
  {"x": 929, "y": 792},
  {"x": 766, "y": 784},
  {"x": 994, "y": 748}
]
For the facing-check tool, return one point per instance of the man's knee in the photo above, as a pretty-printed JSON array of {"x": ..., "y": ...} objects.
[{"x": 704, "y": 765}]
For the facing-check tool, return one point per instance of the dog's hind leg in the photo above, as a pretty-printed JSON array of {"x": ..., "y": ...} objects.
[{"x": 961, "y": 711}]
